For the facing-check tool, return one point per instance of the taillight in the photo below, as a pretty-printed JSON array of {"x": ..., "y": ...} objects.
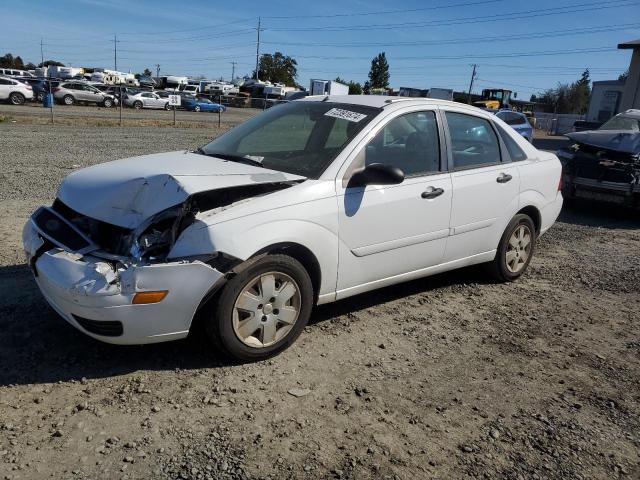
[
  {"x": 55, "y": 89},
  {"x": 560, "y": 182}
]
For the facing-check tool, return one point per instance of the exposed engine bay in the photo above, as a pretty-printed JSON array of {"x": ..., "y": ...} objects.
[{"x": 154, "y": 238}]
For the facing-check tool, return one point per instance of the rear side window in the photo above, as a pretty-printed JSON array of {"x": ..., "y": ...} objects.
[
  {"x": 513, "y": 118},
  {"x": 474, "y": 142},
  {"x": 515, "y": 152}
]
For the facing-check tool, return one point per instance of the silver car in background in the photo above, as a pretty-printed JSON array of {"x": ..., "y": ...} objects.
[
  {"x": 146, "y": 100},
  {"x": 70, "y": 93}
]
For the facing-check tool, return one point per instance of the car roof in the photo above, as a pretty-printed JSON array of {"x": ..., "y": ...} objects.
[
  {"x": 632, "y": 112},
  {"x": 381, "y": 101}
]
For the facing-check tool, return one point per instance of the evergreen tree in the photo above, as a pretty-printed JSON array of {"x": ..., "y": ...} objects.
[{"x": 379, "y": 73}]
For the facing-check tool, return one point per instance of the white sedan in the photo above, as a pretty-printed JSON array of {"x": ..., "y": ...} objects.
[
  {"x": 146, "y": 100},
  {"x": 14, "y": 91},
  {"x": 307, "y": 203}
]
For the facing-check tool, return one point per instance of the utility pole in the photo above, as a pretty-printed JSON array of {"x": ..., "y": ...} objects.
[
  {"x": 233, "y": 70},
  {"x": 258, "y": 49},
  {"x": 473, "y": 77},
  {"x": 157, "y": 70},
  {"x": 41, "y": 52},
  {"x": 115, "y": 52}
]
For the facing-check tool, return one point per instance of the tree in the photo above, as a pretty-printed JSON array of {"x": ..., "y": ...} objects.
[
  {"x": 567, "y": 98},
  {"x": 379, "y": 73},
  {"x": 354, "y": 87},
  {"x": 623, "y": 76},
  {"x": 277, "y": 68},
  {"x": 46, "y": 63},
  {"x": 29, "y": 66},
  {"x": 579, "y": 94},
  {"x": 147, "y": 72}
]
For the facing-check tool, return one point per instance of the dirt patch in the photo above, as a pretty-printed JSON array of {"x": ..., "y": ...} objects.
[{"x": 451, "y": 376}]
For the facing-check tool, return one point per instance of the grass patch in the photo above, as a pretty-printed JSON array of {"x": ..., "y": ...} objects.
[{"x": 114, "y": 122}]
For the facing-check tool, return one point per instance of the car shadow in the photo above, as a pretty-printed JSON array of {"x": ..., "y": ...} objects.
[
  {"x": 37, "y": 346},
  {"x": 590, "y": 213}
]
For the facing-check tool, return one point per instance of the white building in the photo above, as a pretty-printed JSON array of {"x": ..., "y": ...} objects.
[
  {"x": 605, "y": 100},
  {"x": 631, "y": 95}
]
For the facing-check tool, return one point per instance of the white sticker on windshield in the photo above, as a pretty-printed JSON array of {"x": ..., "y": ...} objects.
[{"x": 345, "y": 115}]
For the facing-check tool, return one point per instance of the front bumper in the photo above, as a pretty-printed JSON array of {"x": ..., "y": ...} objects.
[
  {"x": 627, "y": 194},
  {"x": 95, "y": 296}
]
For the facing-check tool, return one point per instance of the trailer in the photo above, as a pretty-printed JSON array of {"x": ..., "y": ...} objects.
[{"x": 328, "y": 87}]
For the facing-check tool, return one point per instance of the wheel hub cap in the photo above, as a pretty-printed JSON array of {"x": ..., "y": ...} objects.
[
  {"x": 266, "y": 309},
  {"x": 518, "y": 249}
]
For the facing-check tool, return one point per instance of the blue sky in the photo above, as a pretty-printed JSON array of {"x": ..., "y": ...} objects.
[{"x": 524, "y": 45}]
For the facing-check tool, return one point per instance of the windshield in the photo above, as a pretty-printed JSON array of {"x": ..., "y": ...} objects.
[
  {"x": 622, "y": 122},
  {"x": 301, "y": 138}
]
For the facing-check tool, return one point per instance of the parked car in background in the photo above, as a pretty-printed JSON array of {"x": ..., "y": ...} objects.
[
  {"x": 13, "y": 72},
  {"x": 248, "y": 229},
  {"x": 74, "y": 92},
  {"x": 518, "y": 121},
  {"x": 604, "y": 164},
  {"x": 39, "y": 86},
  {"x": 201, "y": 104},
  {"x": 15, "y": 91},
  {"x": 146, "y": 100}
]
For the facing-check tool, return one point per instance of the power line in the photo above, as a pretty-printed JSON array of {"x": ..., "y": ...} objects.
[
  {"x": 387, "y": 12},
  {"x": 462, "y": 40},
  {"x": 472, "y": 56},
  {"x": 467, "y": 20}
]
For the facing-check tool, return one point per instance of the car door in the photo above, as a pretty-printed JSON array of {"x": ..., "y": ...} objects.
[
  {"x": 5, "y": 88},
  {"x": 485, "y": 184},
  {"x": 389, "y": 232},
  {"x": 156, "y": 101}
]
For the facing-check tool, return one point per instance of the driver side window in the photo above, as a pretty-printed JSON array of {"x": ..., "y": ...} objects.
[{"x": 409, "y": 142}]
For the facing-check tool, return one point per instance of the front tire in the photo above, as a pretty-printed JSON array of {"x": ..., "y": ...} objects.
[
  {"x": 262, "y": 309},
  {"x": 196, "y": 108},
  {"x": 16, "y": 98},
  {"x": 167, "y": 106},
  {"x": 108, "y": 103},
  {"x": 515, "y": 249}
]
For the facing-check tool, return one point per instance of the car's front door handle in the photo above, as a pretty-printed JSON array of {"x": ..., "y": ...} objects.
[
  {"x": 432, "y": 192},
  {"x": 504, "y": 178}
]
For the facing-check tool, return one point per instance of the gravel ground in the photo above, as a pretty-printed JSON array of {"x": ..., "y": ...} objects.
[{"x": 447, "y": 377}]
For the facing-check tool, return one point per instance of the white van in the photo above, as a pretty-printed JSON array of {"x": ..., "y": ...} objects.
[{"x": 12, "y": 72}]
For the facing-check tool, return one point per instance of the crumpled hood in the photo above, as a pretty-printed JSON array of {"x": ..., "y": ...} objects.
[
  {"x": 619, "y": 140},
  {"x": 129, "y": 191}
]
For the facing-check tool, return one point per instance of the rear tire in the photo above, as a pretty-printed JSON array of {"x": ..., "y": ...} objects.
[
  {"x": 40, "y": 97},
  {"x": 515, "y": 249},
  {"x": 137, "y": 105},
  {"x": 16, "y": 98},
  {"x": 68, "y": 100},
  {"x": 262, "y": 309}
]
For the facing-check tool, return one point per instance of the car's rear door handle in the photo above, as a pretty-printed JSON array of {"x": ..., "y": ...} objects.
[
  {"x": 504, "y": 178},
  {"x": 432, "y": 192}
]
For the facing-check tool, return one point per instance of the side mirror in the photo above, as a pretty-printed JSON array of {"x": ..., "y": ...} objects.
[{"x": 376, "y": 174}]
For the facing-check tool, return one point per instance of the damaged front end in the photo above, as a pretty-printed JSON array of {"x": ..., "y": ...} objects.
[
  {"x": 98, "y": 275},
  {"x": 602, "y": 174}
]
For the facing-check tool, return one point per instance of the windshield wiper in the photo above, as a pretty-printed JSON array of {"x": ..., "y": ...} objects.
[{"x": 233, "y": 158}]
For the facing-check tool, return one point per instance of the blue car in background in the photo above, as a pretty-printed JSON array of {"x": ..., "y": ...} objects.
[
  {"x": 518, "y": 121},
  {"x": 195, "y": 104}
]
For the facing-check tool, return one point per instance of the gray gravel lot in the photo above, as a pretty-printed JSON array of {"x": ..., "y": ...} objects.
[{"x": 447, "y": 377}]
